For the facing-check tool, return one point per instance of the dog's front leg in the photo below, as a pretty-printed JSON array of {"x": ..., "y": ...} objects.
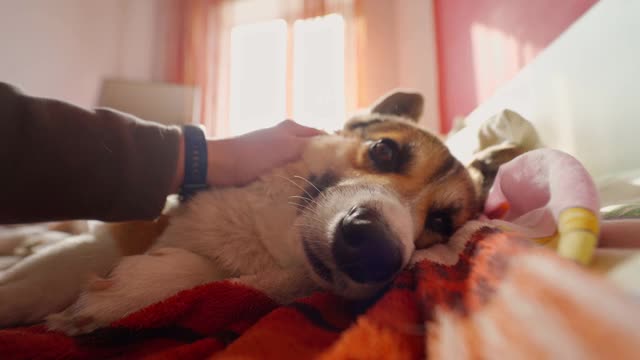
[{"x": 136, "y": 282}]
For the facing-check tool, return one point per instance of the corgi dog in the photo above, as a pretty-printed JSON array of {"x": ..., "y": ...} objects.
[{"x": 346, "y": 217}]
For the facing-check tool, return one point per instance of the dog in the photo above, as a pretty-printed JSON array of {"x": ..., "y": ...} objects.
[{"x": 347, "y": 217}]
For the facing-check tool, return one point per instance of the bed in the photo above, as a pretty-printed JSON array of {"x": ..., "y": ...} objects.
[{"x": 485, "y": 294}]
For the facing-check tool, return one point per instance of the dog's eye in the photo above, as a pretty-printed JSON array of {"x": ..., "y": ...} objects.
[
  {"x": 383, "y": 154},
  {"x": 439, "y": 222}
]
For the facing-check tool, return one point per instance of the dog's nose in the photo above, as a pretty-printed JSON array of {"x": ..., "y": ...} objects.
[{"x": 364, "y": 247}]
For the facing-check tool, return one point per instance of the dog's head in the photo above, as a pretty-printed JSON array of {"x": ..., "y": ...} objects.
[{"x": 401, "y": 190}]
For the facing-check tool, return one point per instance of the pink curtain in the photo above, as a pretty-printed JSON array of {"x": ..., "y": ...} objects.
[{"x": 192, "y": 58}]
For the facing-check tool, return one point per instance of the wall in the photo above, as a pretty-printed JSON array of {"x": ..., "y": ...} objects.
[
  {"x": 581, "y": 92},
  {"x": 399, "y": 51},
  {"x": 484, "y": 43},
  {"x": 64, "y": 48}
]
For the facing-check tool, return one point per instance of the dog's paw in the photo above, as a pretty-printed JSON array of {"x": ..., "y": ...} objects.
[
  {"x": 29, "y": 292},
  {"x": 72, "y": 323},
  {"x": 97, "y": 307},
  {"x": 136, "y": 282}
]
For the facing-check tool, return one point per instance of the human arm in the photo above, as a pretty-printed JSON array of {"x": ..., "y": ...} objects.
[
  {"x": 63, "y": 162},
  {"x": 239, "y": 160}
]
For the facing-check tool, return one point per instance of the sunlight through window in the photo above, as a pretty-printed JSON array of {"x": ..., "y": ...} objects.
[
  {"x": 258, "y": 91},
  {"x": 318, "y": 72},
  {"x": 259, "y": 70}
]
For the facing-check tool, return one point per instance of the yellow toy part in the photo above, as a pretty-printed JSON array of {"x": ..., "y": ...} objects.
[{"x": 577, "y": 235}]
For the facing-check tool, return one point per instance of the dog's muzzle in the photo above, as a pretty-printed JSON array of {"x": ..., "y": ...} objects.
[{"x": 364, "y": 247}]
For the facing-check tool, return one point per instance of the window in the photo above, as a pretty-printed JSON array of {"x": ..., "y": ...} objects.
[
  {"x": 280, "y": 71},
  {"x": 318, "y": 72},
  {"x": 258, "y": 75}
]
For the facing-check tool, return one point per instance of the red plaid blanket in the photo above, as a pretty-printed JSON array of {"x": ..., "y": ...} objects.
[{"x": 486, "y": 294}]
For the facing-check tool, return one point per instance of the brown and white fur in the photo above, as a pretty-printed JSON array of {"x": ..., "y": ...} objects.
[{"x": 346, "y": 217}]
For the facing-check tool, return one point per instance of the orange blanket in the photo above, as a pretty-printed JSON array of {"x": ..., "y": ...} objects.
[{"x": 486, "y": 294}]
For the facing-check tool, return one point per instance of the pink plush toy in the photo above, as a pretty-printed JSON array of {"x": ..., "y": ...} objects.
[{"x": 547, "y": 195}]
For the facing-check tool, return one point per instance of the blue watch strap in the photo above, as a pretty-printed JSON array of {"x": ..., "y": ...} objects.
[{"x": 195, "y": 161}]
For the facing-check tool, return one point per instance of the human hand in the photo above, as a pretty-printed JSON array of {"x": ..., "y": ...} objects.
[{"x": 241, "y": 159}]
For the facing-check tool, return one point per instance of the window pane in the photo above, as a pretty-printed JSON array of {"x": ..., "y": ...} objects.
[
  {"x": 318, "y": 73},
  {"x": 258, "y": 75}
]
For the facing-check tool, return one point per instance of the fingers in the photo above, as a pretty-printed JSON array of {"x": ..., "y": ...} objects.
[
  {"x": 239, "y": 160},
  {"x": 297, "y": 146},
  {"x": 296, "y": 129}
]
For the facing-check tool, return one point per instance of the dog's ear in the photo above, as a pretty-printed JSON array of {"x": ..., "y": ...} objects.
[
  {"x": 485, "y": 164},
  {"x": 400, "y": 103}
]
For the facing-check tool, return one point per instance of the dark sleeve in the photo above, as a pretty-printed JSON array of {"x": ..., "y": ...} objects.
[{"x": 59, "y": 161}]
